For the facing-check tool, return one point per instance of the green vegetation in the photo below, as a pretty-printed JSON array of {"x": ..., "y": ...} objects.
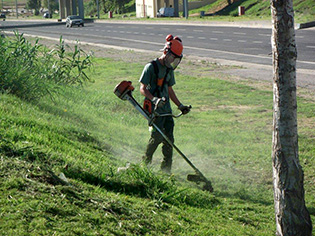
[
  {"x": 117, "y": 6},
  {"x": 59, "y": 159},
  {"x": 31, "y": 73},
  {"x": 256, "y": 9},
  {"x": 219, "y": 10}
]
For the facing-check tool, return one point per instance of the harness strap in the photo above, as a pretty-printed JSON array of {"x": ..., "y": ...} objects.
[{"x": 160, "y": 81}]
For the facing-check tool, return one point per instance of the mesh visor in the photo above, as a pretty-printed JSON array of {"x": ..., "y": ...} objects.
[
  {"x": 172, "y": 60},
  {"x": 176, "y": 62}
]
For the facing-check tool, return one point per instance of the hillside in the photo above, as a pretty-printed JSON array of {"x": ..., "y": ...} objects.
[
  {"x": 59, "y": 158},
  {"x": 304, "y": 9}
]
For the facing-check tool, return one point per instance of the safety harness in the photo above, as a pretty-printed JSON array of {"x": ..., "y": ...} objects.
[{"x": 161, "y": 82}]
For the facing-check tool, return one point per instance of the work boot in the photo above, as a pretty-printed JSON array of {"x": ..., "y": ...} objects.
[
  {"x": 167, "y": 151},
  {"x": 166, "y": 166}
]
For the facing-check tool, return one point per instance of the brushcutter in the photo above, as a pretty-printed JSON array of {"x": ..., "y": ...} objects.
[{"x": 123, "y": 90}]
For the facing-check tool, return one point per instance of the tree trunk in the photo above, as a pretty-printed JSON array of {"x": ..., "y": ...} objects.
[{"x": 292, "y": 217}]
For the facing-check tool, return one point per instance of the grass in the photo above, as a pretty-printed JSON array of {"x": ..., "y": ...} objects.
[
  {"x": 87, "y": 133},
  {"x": 255, "y": 10}
]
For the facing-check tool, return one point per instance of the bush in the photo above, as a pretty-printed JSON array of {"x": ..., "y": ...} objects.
[{"x": 31, "y": 71}]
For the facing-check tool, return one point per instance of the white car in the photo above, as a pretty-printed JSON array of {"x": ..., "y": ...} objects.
[
  {"x": 74, "y": 20},
  {"x": 166, "y": 12}
]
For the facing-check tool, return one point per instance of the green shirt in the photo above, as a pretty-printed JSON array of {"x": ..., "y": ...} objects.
[{"x": 148, "y": 77}]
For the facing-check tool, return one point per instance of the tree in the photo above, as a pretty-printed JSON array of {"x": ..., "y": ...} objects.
[
  {"x": 292, "y": 216},
  {"x": 53, "y": 5},
  {"x": 34, "y": 4}
]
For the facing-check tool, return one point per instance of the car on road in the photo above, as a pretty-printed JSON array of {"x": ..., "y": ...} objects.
[
  {"x": 166, "y": 12},
  {"x": 2, "y": 16},
  {"x": 74, "y": 20}
]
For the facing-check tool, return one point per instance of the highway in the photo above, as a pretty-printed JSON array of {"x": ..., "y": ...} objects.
[{"x": 252, "y": 45}]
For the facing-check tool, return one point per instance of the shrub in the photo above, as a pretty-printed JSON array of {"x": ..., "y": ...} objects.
[{"x": 31, "y": 71}]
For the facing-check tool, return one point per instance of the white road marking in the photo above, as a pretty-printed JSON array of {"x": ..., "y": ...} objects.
[
  {"x": 190, "y": 37},
  {"x": 310, "y": 47},
  {"x": 198, "y": 30},
  {"x": 227, "y": 40},
  {"x": 217, "y": 32},
  {"x": 201, "y": 38},
  {"x": 239, "y": 33},
  {"x": 257, "y": 42},
  {"x": 265, "y": 35},
  {"x": 242, "y": 41},
  {"x": 214, "y": 39}
]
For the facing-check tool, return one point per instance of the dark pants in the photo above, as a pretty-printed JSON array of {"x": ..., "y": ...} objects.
[{"x": 166, "y": 125}]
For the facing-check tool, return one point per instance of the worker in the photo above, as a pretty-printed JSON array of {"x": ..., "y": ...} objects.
[{"x": 156, "y": 84}]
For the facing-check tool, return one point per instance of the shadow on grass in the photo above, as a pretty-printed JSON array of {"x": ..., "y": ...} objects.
[
  {"x": 232, "y": 9},
  {"x": 311, "y": 210},
  {"x": 137, "y": 181},
  {"x": 151, "y": 187},
  {"x": 244, "y": 196}
]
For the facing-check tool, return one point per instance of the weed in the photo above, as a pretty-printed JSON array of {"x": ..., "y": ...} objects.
[{"x": 30, "y": 72}]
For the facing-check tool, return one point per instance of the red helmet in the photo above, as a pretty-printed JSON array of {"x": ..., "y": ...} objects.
[{"x": 173, "y": 44}]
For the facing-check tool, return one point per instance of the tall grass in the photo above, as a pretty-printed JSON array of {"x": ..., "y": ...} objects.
[{"x": 31, "y": 71}]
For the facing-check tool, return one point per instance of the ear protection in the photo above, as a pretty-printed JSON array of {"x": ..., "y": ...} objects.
[{"x": 170, "y": 38}]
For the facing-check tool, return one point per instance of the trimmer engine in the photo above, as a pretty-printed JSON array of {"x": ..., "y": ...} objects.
[{"x": 123, "y": 88}]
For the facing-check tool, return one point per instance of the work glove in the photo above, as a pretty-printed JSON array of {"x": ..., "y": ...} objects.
[
  {"x": 184, "y": 109},
  {"x": 159, "y": 102}
]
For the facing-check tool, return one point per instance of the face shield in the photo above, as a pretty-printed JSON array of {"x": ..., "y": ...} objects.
[{"x": 171, "y": 60}]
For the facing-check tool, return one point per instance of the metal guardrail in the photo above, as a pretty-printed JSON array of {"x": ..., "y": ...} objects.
[{"x": 306, "y": 25}]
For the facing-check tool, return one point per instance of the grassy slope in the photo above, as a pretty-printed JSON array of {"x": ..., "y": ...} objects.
[
  {"x": 255, "y": 9},
  {"x": 87, "y": 133},
  {"x": 304, "y": 9}
]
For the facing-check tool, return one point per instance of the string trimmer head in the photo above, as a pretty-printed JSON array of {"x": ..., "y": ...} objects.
[{"x": 197, "y": 178}]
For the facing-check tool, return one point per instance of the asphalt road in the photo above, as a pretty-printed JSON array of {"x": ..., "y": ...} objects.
[
  {"x": 241, "y": 44},
  {"x": 232, "y": 43}
]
